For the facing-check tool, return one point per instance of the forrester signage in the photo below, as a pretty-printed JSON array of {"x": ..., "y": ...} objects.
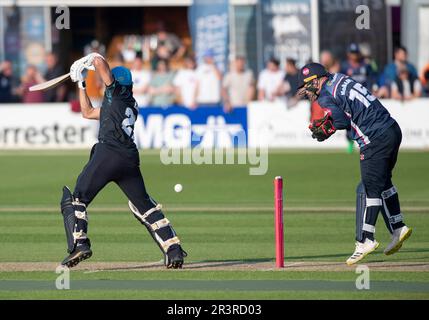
[
  {"x": 44, "y": 126},
  {"x": 52, "y": 134}
]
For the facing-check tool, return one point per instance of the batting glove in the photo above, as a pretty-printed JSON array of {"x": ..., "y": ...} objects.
[
  {"x": 78, "y": 71},
  {"x": 89, "y": 59}
]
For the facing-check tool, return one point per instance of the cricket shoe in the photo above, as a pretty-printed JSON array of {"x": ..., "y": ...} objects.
[
  {"x": 362, "y": 250},
  {"x": 398, "y": 238},
  {"x": 82, "y": 252},
  {"x": 175, "y": 257}
]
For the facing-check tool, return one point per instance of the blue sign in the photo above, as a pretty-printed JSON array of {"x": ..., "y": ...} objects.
[
  {"x": 209, "y": 25},
  {"x": 179, "y": 127}
]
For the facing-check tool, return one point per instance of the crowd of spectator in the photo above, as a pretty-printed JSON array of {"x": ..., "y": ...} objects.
[
  {"x": 192, "y": 84},
  {"x": 399, "y": 79},
  {"x": 10, "y": 92}
]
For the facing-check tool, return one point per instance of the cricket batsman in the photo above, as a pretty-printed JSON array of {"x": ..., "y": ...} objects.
[
  {"x": 350, "y": 106},
  {"x": 114, "y": 158}
]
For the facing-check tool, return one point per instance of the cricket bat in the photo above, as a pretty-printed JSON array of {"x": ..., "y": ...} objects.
[{"x": 50, "y": 84}]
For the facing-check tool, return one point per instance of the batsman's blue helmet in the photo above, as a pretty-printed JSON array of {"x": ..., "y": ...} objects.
[{"x": 122, "y": 75}]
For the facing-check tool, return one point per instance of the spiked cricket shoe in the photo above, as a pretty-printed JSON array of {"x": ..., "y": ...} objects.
[
  {"x": 175, "y": 257},
  {"x": 398, "y": 238},
  {"x": 82, "y": 252},
  {"x": 362, "y": 250}
]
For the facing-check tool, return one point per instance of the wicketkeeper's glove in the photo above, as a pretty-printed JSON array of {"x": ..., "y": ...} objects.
[{"x": 322, "y": 129}]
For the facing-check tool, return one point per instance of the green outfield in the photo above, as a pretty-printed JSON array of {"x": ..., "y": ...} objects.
[{"x": 224, "y": 218}]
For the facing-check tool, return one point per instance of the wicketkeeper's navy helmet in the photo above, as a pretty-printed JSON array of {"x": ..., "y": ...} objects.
[{"x": 310, "y": 72}]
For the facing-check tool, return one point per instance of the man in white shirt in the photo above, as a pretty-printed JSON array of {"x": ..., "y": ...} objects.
[
  {"x": 270, "y": 80},
  {"x": 209, "y": 81},
  {"x": 141, "y": 80},
  {"x": 238, "y": 85},
  {"x": 185, "y": 83}
]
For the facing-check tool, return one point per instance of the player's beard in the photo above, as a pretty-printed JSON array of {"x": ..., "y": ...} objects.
[
  {"x": 311, "y": 93},
  {"x": 312, "y": 96},
  {"x": 307, "y": 94}
]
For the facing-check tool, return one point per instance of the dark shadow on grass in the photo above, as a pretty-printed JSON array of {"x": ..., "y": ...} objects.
[
  {"x": 347, "y": 254},
  {"x": 397, "y": 256},
  {"x": 191, "y": 265},
  {"x": 397, "y": 264},
  {"x": 414, "y": 250},
  {"x": 416, "y": 259},
  {"x": 240, "y": 261},
  {"x": 225, "y": 263},
  {"x": 303, "y": 258},
  {"x": 127, "y": 268},
  {"x": 216, "y": 263}
]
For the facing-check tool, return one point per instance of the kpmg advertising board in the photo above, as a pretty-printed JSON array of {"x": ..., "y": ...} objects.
[
  {"x": 261, "y": 124},
  {"x": 178, "y": 127}
]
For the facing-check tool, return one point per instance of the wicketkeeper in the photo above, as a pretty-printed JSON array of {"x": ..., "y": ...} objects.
[
  {"x": 350, "y": 106},
  {"x": 114, "y": 158}
]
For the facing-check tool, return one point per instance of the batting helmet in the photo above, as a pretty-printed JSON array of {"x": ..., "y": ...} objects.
[
  {"x": 122, "y": 75},
  {"x": 310, "y": 72}
]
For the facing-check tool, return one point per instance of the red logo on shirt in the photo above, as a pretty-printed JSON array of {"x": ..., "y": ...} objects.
[
  {"x": 306, "y": 71},
  {"x": 362, "y": 157}
]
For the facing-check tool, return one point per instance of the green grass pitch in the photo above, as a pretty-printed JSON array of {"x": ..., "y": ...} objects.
[{"x": 224, "y": 218}]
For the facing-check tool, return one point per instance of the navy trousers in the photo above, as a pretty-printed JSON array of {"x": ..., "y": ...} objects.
[
  {"x": 378, "y": 159},
  {"x": 107, "y": 165}
]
